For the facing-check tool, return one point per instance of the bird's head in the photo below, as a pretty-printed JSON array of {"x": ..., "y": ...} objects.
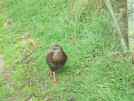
[{"x": 57, "y": 48}]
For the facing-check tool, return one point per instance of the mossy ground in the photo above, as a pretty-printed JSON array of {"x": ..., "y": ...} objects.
[{"x": 92, "y": 73}]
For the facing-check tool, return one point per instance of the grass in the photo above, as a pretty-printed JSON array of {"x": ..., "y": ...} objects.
[{"x": 92, "y": 73}]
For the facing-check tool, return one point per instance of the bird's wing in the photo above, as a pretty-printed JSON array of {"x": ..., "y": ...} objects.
[
  {"x": 64, "y": 58},
  {"x": 49, "y": 59}
]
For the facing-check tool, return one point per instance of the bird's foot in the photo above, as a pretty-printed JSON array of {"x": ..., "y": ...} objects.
[{"x": 55, "y": 81}]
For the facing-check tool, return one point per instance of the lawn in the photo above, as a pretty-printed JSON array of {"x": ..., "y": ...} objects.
[{"x": 92, "y": 72}]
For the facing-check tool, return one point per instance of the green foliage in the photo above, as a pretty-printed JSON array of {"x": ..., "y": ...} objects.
[{"x": 91, "y": 72}]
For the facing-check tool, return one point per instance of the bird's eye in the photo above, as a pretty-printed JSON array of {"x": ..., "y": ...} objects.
[{"x": 55, "y": 48}]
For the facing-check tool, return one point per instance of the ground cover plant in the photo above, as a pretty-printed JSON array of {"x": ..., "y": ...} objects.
[{"x": 92, "y": 73}]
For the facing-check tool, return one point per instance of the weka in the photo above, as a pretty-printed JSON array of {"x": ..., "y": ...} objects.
[{"x": 56, "y": 58}]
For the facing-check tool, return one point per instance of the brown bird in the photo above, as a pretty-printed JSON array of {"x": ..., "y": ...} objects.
[{"x": 56, "y": 58}]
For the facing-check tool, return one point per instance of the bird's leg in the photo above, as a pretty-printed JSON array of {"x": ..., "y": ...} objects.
[
  {"x": 54, "y": 77},
  {"x": 50, "y": 73}
]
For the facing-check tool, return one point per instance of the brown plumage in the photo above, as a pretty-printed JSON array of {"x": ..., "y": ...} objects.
[{"x": 56, "y": 58}]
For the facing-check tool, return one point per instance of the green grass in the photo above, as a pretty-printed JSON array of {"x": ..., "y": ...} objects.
[{"x": 91, "y": 73}]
